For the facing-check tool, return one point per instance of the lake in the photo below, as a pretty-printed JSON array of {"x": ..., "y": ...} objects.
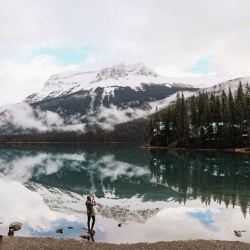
[{"x": 156, "y": 194}]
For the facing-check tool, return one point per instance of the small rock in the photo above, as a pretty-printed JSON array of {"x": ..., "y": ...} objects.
[
  {"x": 59, "y": 231},
  {"x": 1, "y": 238},
  {"x": 11, "y": 232},
  {"x": 243, "y": 231},
  {"x": 70, "y": 227},
  {"x": 1, "y": 222},
  {"x": 85, "y": 236},
  {"x": 120, "y": 224},
  {"x": 83, "y": 228},
  {"x": 15, "y": 225},
  {"x": 237, "y": 233}
]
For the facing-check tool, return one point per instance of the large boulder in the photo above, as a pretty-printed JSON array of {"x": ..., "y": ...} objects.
[{"x": 15, "y": 226}]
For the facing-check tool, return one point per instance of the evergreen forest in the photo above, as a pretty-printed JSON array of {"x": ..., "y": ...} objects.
[{"x": 204, "y": 121}]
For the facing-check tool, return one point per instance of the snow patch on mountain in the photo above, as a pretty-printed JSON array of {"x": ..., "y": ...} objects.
[
  {"x": 232, "y": 84},
  {"x": 121, "y": 75}
]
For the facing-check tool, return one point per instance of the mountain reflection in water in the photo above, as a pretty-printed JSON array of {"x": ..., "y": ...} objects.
[{"x": 132, "y": 184}]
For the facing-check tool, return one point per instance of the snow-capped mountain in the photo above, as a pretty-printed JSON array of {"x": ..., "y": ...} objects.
[
  {"x": 122, "y": 86},
  {"x": 79, "y": 100},
  {"x": 122, "y": 75},
  {"x": 232, "y": 83}
]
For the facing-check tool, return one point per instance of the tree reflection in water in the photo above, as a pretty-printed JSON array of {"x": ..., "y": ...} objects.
[{"x": 218, "y": 176}]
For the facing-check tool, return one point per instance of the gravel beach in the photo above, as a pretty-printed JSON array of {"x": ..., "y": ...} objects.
[{"x": 28, "y": 243}]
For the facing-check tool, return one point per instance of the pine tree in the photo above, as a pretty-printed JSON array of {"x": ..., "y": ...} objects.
[
  {"x": 151, "y": 127},
  {"x": 226, "y": 136},
  {"x": 157, "y": 126},
  {"x": 208, "y": 119},
  {"x": 231, "y": 107},
  {"x": 185, "y": 125},
  {"x": 217, "y": 110},
  {"x": 167, "y": 121},
  {"x": 212, "y": 105},
  {"x": 207, "y": 114},
  {"x": 201, "y": 107},
  {"x": 240, "y": 97},
  {"x": 231, "y": 124},
  {"x": 247, "y": 99},
  {"x": 193, "y": 115},
  {"x": 178, "y": 116}
]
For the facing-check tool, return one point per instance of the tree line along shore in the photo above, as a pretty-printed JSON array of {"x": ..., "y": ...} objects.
[
  {"x": 199, "y": 122},
  {"x": 204, "y": 121}
]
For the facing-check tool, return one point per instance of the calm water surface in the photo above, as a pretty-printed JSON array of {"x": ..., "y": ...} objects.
[{"x": 156, "y": 195}]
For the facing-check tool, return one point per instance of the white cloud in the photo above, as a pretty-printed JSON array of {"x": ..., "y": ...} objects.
[
  {"x": 29, "y": 209},
  {"x": 24, "y": 117},
  {"x": 20, "y": 79},
  {"x": 170, "y": 36}
]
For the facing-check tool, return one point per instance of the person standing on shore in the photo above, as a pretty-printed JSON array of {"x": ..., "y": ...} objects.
[{"x": 90, "y": 213}]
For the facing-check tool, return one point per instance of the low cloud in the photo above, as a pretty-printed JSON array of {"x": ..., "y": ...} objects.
[
  {"x": 20, "y": 79},
  {"x": 106, "y": 118},
  {"x": 22, "y": 117}
]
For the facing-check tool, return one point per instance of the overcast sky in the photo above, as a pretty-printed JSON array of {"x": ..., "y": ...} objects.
[{"x": 175, "y": 38}]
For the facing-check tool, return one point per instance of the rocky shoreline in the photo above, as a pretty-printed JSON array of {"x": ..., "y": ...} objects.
[{"x": 28, "y": 243}]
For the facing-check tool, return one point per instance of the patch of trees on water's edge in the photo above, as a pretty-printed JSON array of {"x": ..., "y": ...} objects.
[
  {"x": 204, "y": 121},
  {"x": 133, "y": 131}
]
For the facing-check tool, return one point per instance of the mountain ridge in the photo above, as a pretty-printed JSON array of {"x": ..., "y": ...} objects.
[
  {"x": 86, "y": 100},
  {"x": 110, "y": 78}
]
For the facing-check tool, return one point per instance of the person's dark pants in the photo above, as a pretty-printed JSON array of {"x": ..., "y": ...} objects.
[{"x": 93, "y": 221}]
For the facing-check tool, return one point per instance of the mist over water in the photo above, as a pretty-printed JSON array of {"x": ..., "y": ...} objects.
[{"x": 144, "y": 190}]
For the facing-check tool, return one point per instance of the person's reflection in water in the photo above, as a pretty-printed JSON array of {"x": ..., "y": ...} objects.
[
  {"x": 92, "y": 237},
  {"x": 90, "y": 213}
]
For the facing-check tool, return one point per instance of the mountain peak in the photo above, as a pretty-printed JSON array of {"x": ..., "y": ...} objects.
[{"x": 122, "y": 70}]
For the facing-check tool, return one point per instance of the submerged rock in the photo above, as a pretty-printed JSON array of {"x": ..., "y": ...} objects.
[
  {"x": 59, "y": 231},
  {"x": 15, "y": 226}
]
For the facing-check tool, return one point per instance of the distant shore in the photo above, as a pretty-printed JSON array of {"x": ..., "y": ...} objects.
[
  {"x": 50, "y": 243},
  {"x": 242, "y": 150},
  {"x": 38, "y": 142}
]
